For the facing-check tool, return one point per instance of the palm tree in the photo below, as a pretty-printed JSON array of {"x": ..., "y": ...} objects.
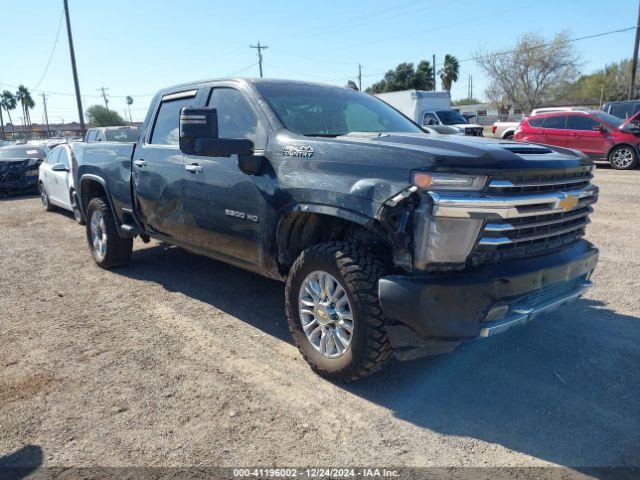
[
  {"x": 26, "y": 101},
  {"x": 449, "y": 72},
  {"x": 8, "y": 102}
]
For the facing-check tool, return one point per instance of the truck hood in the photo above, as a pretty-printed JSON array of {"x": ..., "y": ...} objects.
[{"x": 456, "y": 153}]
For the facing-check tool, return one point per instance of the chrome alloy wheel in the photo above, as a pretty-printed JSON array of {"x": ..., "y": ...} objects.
[
  {"x": 622, "y": 158},
  {"x": 325, "y": 314},
  {"x": 98, "y": 234}
]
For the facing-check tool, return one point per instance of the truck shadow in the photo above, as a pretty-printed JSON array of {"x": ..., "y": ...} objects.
[
  {"x": 565, "y": 388},
  {"x": 21, "y": 463}
]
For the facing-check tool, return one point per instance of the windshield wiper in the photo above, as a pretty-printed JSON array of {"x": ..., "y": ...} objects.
[{"x": 328, "y": 135}]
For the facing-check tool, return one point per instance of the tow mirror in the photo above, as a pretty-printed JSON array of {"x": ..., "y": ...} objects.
[
  {"x": 60, "y": 167},
  {"x": 199, "y": 135}
]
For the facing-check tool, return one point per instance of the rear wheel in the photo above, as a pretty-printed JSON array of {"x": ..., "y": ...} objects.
[
  {"x": 509, "y": 136},
  {"x": 333, "y": 310},
  {"x": 107, "y": 247},
  {"x": 44, "y": 196},
  {"x": 623, "y": 157}
]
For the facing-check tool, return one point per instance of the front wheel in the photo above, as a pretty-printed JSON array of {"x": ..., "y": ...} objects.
[
  {"x": 333, "y": 310},
  {"x": 44, "y": 196},
  {"x": 623, "y": 157},
  {"x": 75, "y": 207},
  {"x": 107, "y": 247}
]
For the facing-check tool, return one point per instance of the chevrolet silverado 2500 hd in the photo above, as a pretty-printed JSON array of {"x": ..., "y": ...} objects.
[{"x": 389, "y": 239}]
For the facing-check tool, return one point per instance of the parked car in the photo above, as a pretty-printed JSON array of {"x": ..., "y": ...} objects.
[
  {"x": 112, "y": 134},
  {"x": 595, "y": 133},
  {"x": 504, "y": 130},
  {"x": 442, "y": 129},
  {"x": 19, "y": 167},
  {"x": 624, "y": 109},
  {"x": 56, "y": 184},
  {"x": 389, "y": 240}
]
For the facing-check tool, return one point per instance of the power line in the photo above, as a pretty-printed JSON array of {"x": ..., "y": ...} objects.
[
  {"x": 570, "y": 40},
  {"x": 242, "y": 70},
  {"x": 53, "y": 49}
]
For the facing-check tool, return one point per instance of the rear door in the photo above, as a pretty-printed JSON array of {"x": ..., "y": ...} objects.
[
  {"x": 158, "y": 166},
  {"x": 554, "y": 131},
  {"x": 224, "y": 207},
  {"x": 583, "y": 137}
]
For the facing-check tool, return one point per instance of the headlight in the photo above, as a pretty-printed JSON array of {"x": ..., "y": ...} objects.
[
  {"x": 446, "y": 181},
  {"x": 31, "y": 173}
]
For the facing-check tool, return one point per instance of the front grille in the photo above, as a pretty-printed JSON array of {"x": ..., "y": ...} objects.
[
  {"x": 540, "y": 183},
  {"x": 537, "y": 227},
  {"x": 473, "y": 131}
]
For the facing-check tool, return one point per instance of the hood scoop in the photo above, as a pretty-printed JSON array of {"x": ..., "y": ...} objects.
[{"x": 526, "y": 149}]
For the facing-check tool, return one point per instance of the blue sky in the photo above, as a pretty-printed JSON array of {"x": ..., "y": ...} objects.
[{"x": 136, "y": 47}]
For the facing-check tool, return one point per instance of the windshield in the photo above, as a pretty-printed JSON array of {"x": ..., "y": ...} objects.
[
  {"x": 122, "y": 135},
  {"x": 451, "y": 117},
  {"x": 609, "y": 119},
  {"x": 332, "y": 111},
  {"x": 20, "y": 152}
]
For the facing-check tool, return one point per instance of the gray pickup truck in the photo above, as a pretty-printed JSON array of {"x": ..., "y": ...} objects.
[{"x": 390, "y": 239}]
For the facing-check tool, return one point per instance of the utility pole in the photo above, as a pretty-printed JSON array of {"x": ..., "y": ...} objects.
[
  {"x": 359, "y": 77},
  {"x": 634, "y": 60},
  {"x": 434, "y": 73},
  {"x": 260, "y": 48},
  {"x": 104, "y": 95},
  {"x": 73, "y": 66},
  {"x": 46, "y": 116}
]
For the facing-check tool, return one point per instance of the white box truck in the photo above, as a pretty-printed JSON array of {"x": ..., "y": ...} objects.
[{"x": 430, "y": 108}]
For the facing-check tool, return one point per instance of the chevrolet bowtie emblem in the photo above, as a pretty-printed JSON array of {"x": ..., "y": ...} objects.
[{"x": 567, "y": 203}]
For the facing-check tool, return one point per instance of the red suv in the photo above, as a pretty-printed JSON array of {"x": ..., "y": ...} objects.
[{"x": 595, "y": 133}]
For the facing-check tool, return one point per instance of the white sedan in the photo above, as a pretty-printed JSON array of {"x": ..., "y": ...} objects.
[{"x": 55, "y": 181}]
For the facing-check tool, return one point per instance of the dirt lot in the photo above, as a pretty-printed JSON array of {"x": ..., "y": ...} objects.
[{"x": 179, "y": 360}]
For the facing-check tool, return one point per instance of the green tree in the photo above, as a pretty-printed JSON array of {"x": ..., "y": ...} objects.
[
  {"x": 26, "y": 102},
  {"x": 465, "y": 101},
  {"x": 99, "y": 116},
  {"x": 610, "y": 82},
  {"x": 449, "y": 72},
  {"x": 8, "y": 102},
  {"x": 528, "y": 75},
  {"x": 405, "y": 77}
]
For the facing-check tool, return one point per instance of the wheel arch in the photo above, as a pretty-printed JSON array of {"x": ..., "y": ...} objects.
[
  {"x": 304, "y": 225},
  {"x": 623, "y": 144}
]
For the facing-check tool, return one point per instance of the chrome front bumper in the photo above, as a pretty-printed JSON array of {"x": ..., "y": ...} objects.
[{"x": 521, "y": 312}]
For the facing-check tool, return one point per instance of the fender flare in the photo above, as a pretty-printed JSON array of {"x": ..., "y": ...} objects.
[{"x": 95, "y": 178}]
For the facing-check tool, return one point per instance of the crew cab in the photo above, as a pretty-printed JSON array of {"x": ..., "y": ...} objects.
[{"x": 390, "y": 240}]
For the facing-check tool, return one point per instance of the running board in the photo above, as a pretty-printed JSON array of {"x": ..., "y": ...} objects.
[{"x": 520, "y": 314}]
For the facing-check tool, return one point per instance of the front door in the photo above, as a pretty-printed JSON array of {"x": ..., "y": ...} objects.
[
  {"x": 60, "y": 180},
  {"x": 583, "y": 137},
  {"x": 157, "y": 169},
  {"x": 224, "y": 207}
]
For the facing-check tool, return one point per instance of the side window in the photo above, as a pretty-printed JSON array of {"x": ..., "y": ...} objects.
[
  {"x": 53, "y": 156},
  {"x": 557, "y": 122},
  {"x": 64, "y": 157},
  {"x": 621, "y": 110},
  {"x": 580, "y": 122},
  {"x": 236, "y": 117},
  {"x": 165, "y": 128},
  {"x": 91, "y": 136},
  {"x": 536, "y": 122},
  {"x": 430, "y": 119}
]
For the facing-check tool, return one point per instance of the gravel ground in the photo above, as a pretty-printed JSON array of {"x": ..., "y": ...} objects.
[{"x": 178, "y": 360}]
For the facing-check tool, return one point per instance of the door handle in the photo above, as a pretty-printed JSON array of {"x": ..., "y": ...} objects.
[
  {"x": 140, "y": 163},
  {"x": 193, "y": 168}
]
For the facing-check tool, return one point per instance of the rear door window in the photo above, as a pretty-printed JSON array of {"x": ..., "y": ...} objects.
[
  {"x": 557, "y": 122},
  {"x": 536, "y": 122}
]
